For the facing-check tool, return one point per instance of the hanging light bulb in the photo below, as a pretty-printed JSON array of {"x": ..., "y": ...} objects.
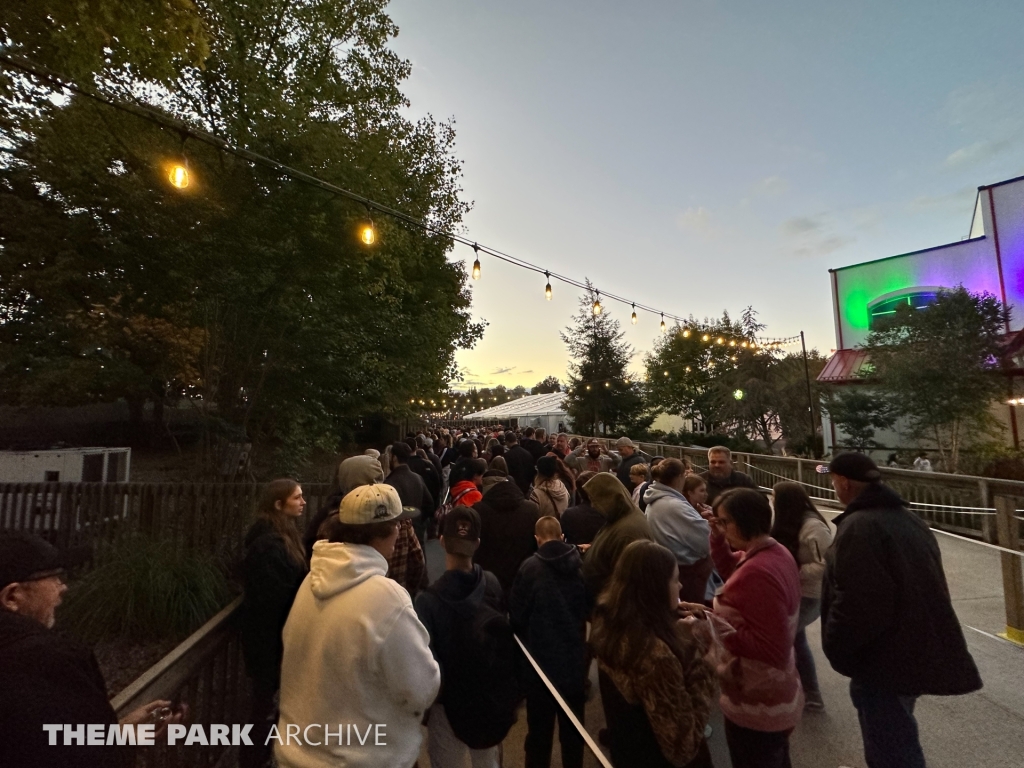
[
  {"x": 476, "y": 263},
  {"x": 705, "y": 337},
  {"x": 597, "y": 304},
  {"x": 664, "y": 328},
  {"x": 633, "y": 318},
  {"x": 179, "y": 175},
  {"x": 686, "y": 333},
  {"x": 367, "y": 233},
  {"x": 547, "y": 288}
]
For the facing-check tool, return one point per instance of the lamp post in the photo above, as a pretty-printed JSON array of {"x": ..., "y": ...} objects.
[{"x": 810, "y": 397}]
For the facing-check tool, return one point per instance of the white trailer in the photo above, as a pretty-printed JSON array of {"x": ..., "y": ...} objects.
[{"x": 66, "y": 465}]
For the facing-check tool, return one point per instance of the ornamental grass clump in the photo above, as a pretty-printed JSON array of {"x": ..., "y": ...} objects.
[{"x": 145, "y": 590}]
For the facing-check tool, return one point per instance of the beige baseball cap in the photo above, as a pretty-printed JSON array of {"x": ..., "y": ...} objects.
[{"x": 378, "y": 503}]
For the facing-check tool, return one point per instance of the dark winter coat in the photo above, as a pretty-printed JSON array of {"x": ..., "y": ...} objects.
[
  {"x": 430, "y": 475},
  {"x": 271, "y": 580},
  {"x": 736, "y": 479},
  {"x": 411, "y": 489},
  {"x": 581, "y": 523},
  {"x": 507, "y": 520},
  {"x": 548, "y": 609},
  {"x": 462, "y": 590},
  {"x": 330, "y": 506},
  {"x": 622, "y": 471},
  {"x": 886, "y": 616},
  {"x": 625, "y": 524},
  {"x": 535, "y": 447},
  {"x": 521, "y": 467},
  {"x": 46, "y": 678}
]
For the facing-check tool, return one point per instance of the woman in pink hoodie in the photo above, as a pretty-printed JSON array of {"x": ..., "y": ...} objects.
[{"x": 761, "y": 695}]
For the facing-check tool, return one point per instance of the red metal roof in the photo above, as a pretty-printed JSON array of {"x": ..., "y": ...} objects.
[{"x": 844, "y": 366}]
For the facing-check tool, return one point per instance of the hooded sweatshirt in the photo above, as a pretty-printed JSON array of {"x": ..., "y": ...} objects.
[
  {"x": 507, "y": 520},
  {"x": 676, "y": 525},
  {"x": 354, "y": 653},
  {"x": 464, "y": 591},
  {"x": 548, "y": 608},
  {"x": 625, "y": 524},
  {"x": 551, "y": 495}
]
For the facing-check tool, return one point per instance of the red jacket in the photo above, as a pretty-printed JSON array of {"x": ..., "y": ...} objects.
[
  {"x": 761, "y": 600},
  {"x": 465, "y": 494}
]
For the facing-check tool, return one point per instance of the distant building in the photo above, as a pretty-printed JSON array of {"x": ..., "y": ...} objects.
[
  {"x": 990, "y": 259},
  {"x": 545, "y": 411}
]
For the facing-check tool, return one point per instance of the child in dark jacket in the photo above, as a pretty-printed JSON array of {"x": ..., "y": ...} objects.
[{"x": 548, "y": 609}]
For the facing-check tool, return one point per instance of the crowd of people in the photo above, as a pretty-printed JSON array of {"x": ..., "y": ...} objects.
[{"x": 689, "y": 590}]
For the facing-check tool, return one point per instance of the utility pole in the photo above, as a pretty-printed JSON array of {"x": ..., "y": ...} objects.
[{"x": 810, "y": 397}]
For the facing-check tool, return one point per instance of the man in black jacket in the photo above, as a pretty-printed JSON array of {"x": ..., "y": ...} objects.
[
  {"x": 887, "y": 621},
  {"x": 521, "y": 464},
  {"x": 548, "y": 608},
  {"x": 48, "y": 679},
  {"x": 630, "y": 456},
  {"x": 506, "y": 537},
  {"x": 720, "y": 475},
  {"x": 411, "y": 487}
]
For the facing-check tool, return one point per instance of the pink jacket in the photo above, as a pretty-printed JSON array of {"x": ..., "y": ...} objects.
[{"x": 761, "y": 600}]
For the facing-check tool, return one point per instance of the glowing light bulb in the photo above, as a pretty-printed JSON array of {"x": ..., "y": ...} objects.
[
  {"x": 738, "y": 394},
  {"x": 686, "y": 333},
  {"x": 367, "y": 234},
  {"x": 476, "y": 269},
  {"x": 178, "y": 176},
  {"x": 547, "y": 288},
  {"x": 666, "y": 373},
  {"x": 664, "y": 328},
  {"x": 597, "y": 305},
  {"x": 705, "y": 337},
  {"x": 607, "y": 384},
  {"x": 732, "y": 343},
  {"x": 721, "y": 340},
  {"x": 632, "y": 319}
]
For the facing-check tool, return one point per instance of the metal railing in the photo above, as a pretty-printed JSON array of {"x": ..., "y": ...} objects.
[
  {"x": 206, "y": 672},
  {"x": 958, "y": 503}
]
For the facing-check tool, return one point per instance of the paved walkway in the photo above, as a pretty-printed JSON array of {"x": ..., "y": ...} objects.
[{"x": 981, "y": 729}]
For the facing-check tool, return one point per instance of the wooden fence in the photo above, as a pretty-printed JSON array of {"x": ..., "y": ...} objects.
[{"x": 207, "y": 517}]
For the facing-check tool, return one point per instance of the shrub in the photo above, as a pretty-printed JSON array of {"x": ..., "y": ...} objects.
[{"x": 145, "y": 590}]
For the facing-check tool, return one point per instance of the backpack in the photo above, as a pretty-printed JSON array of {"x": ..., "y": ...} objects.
[
  {"x": 481, "y": 689},
  {"x": 448, "y": 506}
]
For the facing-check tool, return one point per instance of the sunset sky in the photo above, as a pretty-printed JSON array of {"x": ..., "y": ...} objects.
[{"x": 701, "y": 156}]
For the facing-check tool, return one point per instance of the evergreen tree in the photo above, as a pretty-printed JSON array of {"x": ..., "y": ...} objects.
[{"x": 601, "y": 397}]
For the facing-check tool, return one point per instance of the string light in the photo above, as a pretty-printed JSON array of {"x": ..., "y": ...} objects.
[
  {"x": 179, "y": 177},
  {"x": 547, "y": 288},
  {"x": 664, "y": 328},
  {"x": 686, "y": 333},
  {"x": 367, "y": 234},
  {"x": 633, "y": 318},
  {"x": 705, "y": 337},
  {"x": 597, "y": 304}
]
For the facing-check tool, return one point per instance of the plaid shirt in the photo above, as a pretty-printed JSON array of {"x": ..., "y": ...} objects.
[{"x": 407, "y": 565}]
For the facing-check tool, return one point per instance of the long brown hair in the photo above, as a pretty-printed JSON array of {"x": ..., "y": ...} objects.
[
  {"x": 266, "y": 509},
  {"x": 633, "y": 610},
  {"x": 792, "y": 507}
]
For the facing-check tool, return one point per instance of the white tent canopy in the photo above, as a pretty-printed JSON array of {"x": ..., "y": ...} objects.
[{"x": 545, "y": 411}]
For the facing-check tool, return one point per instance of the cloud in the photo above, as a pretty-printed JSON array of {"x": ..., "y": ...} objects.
[
  {"x": 502, "y": 371},
  {"x": 977, "y": 152},
  {"x": 801, "y": 225},
  {"x": 771, "y": 186},
  {"x": 526, "y": 372},
  {"x": 696, "y": 220},
  {"x": 824, "y": 246}
]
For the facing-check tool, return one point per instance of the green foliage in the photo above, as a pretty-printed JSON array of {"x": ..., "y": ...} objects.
[
  {"x": 737, "y": 443},
  {"x": 145, "y": 590},
  {"x": 858, "y": 411},
  {"x": 939, "y": 366},
  {"x": 246, "y": 295},
  {"x": 601, "y": 395},
  {"x": 550, "y": 385}
]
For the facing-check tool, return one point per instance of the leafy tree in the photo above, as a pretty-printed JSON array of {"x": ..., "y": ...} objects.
[
  {"x": 259, "y": 307},
  {"x": 550, "y": 385},
  {"x": 686, "y": 367},
  {"x": 858, "y": 411},
  {"x": 939, "y": 366},
  {"x": 601, "y": 394}
]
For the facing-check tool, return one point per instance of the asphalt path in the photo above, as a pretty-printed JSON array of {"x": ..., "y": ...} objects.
[{"x": 981, "y": 729}]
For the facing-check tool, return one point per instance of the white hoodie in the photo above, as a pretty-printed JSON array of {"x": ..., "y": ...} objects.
[{"x": 354, "y": 654}]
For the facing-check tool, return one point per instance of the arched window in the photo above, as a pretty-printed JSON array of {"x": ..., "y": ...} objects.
[{"x": 886, "y": 306}]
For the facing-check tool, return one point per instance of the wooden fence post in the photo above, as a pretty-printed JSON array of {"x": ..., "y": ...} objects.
[
  {"x": 1013, "y": 580},
  {"x": 988, "y": 523}
]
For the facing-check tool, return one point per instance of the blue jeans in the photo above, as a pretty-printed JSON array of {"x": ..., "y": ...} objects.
[
  {"x": 888, "y": 728},
  {"x": 810, "y": 610}
]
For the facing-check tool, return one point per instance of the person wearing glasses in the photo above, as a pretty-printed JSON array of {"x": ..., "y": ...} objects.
[{"x": 762, "y": 699}]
